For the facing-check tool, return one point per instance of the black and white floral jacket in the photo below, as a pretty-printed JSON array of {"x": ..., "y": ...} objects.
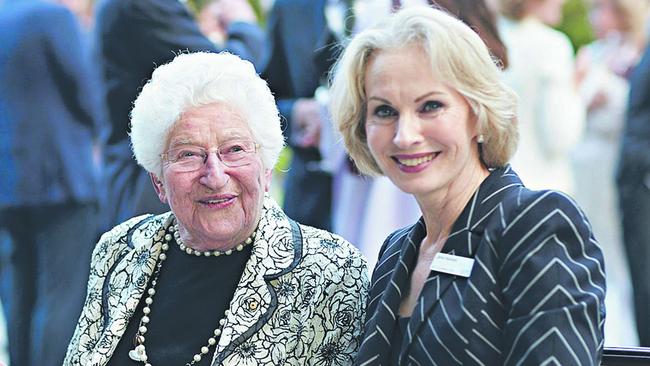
[{"x": 308, "y": 288}]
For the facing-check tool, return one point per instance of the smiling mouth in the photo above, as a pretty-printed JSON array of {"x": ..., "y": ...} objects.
[
  {"x": 415, "y": 161},
  {"x": 217, "y": 201}
]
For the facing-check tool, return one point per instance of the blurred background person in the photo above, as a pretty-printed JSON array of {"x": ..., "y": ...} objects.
[
  {"x": 133, "y": 37},
  {"x": 603, "y": 71},
  {"x": 633, "y": 184},
  {"x": 303, "y": 36},
  {"x": 541, "y": 71},
  {"x": 52, "y": 128}
]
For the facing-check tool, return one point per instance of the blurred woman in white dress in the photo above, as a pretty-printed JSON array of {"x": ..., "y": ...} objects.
[
  {"x": 541, "y": 71},
  {"x": 603, "y": 68}
]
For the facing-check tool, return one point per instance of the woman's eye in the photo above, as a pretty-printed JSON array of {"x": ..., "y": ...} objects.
[
  {"x": 185, "y": 154},
  {"x": 234, "y": 148},
  {"x": 431, "y": 106},
  {"x": 188, "y": 154},
  {"x": 385, "y": 111}
]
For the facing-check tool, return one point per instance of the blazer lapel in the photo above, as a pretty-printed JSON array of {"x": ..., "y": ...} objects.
[
  {"x": 127, "y": 282},
  {"x": 379, "y": 331},
  {"x": 277, "y": 250}
]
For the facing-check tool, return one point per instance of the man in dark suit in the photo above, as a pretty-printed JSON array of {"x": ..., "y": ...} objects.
[
  {"x": 133, "y": 38},
  {"x": 633, "y": 179},
  {"x": 302, "y": 50},
  {"x": 50, "y": 132}
]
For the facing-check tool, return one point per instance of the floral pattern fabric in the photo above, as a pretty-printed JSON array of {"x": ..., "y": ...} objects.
[{"x": 300, "y": 301}]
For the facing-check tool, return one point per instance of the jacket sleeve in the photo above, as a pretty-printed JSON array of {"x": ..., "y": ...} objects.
[
  {"x": 553, "y": 284},
  {"x": 276, "y": 67},
  {"x": 342, "y": 309},
  {"x": 70, "y": 62},
  {"x": 636, "y": 135}
]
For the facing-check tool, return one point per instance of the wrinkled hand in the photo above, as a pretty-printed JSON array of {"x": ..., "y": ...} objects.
[
  {"x": 230, "y": 11},
  {"x": 307, "y": 118}
]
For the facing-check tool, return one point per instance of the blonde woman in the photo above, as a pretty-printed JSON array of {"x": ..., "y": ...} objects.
[{"x": 493, "y": 273}]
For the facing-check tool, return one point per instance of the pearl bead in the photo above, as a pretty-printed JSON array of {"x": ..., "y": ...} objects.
[
  {"x": 197, "y": 253},
  {"x": 240, "y": 248},
  {"x": 197, "y": 358},
  {"x": 229, "y": 252},
  {"x": 145, "y": 319},
  {"x": 212, "y": 341},
  {"x": 147, "y": 364},
  {"x": 204, "y": 350},
  {"x": 146, "y": 310},
  {"x": 151, "y": 292},
  {"x": 249, "y": 240},
  {"x": 222, "y": 321},
  {"x": 168, "y": 237},
  {"x": 163, "y": 256},
  {"x": 143, "y": 329},
  {"x": 188, "y": 250},
  {"x": 165, "y": 247},
  {"x": 148, "y": 301},
  {"x": 217, "y": 332}
]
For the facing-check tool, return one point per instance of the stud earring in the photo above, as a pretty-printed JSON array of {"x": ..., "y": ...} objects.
[{"x": 480, "y": 139}]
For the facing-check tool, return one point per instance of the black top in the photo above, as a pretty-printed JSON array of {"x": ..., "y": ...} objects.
[
  {"x": 191, "y": 297},
  {"x": 399, "y": 333}
]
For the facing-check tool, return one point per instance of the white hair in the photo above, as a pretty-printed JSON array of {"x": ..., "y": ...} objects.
[{"x": 196, "y": 79}]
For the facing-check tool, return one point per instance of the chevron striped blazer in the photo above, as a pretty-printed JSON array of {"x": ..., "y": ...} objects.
[{"x": 535, "y": 294}]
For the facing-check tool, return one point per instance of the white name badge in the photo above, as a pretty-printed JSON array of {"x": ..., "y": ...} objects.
[{"x": 452, "y": 264}]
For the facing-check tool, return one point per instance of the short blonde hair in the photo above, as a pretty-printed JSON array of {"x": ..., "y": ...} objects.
[
  {"x": 456, "y": 53},
  {"x": 196, "y": 79}
]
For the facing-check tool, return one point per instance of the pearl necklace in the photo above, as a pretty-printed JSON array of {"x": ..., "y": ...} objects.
[
  {"x": 139, "y": 353},
  {"x": 207, "y": 253}
]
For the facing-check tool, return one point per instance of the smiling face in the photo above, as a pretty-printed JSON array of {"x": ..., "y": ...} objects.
[
  {"x": 420, "y": 131},
  {"x": 216, "y": 206}
]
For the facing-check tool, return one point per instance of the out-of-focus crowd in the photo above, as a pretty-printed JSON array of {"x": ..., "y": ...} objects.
[{"x": 71, "y": 69}]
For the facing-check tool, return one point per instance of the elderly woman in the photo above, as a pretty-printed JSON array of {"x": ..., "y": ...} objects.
[
  {"x": 225, "y": 278},
  {"x": 493, "y": 273}
]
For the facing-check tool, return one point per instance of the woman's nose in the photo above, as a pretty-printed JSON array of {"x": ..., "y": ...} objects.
[
  {"x": 214, "y": 174},
  {"x": 407, "y": 131}
]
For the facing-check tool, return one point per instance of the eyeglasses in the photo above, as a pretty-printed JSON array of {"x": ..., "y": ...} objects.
[{"x": 190, "y": 158}]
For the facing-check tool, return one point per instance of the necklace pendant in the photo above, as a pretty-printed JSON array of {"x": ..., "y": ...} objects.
[{"x": 138, "y": 354}]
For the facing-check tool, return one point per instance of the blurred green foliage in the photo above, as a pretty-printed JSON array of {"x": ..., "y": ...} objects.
[{"x": 575, "y": 23}]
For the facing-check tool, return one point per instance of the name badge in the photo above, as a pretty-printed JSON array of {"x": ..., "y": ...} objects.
[{"x": 452, "y": 264}]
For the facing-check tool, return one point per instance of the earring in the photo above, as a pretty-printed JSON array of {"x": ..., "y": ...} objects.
[{"x": 480, "y": 139}]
